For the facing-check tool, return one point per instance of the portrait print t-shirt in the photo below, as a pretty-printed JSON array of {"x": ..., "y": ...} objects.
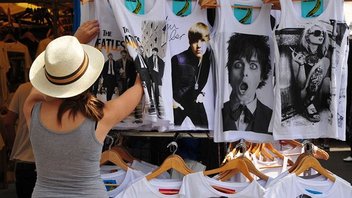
[
  {"x": 244, "y": 68},
  {"x": 192, "y": 68},
  {"x": 293, "y": 186},
  {"x": 111, "y": 43},
  {"x": 145, "y": 36},
  {"x": 310, "y": 90}
]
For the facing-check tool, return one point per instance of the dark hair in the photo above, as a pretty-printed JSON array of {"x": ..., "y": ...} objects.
[
  {"x": 245, "y": 45},
  {"x": 155, "y": 49},
  {"x": 85, "y": 103},
  {"x": 123, "y": 51},
  {"x": 198, "y": 31}
]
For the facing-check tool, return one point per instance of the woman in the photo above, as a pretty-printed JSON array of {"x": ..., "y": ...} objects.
[
  {"x": 67, "y": 123},
  {"x": 312, "y": 66}
]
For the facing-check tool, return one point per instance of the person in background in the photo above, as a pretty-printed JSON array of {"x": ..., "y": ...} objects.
[
  {"x": 18, "y": 141},
  {"x": 17, "y": 135},
  {"x": 68, "y": 148}
]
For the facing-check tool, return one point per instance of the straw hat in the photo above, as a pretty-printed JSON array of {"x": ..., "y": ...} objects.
[{"x": 66, "y": 68}]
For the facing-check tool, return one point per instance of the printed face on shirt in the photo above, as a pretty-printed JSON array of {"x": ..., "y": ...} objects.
[
  {"x": 123, "y": 54},
  {"x": 110, "y": 56},
  {"x": 316, "y": 35},
  {"x": 245, "y": 76},
  {"x": 199, "y": 47},
  {"x": 154, "y": 52}
]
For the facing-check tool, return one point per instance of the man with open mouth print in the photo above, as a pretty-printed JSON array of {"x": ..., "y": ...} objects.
[{"x": 248, "y": 68}]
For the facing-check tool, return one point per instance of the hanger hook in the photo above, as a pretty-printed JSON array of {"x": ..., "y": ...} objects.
[
  {"x": 173, "y": 146},
  {"x": 308, "y": 146},
  {"x": 112, "y": 140},
  {"x": 242, "y": 146}
]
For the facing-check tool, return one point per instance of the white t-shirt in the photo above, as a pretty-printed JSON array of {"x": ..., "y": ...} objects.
[
  {"x": 151, "y": 189},
  {"x": 311, "y": 79},
  {"x": 192, "y": 80},
  {"x": 122, "y": 179},
  {"x": 292, "y": 153},
  {"x": 192, "y": 164},
  {"x": 105, "y": 169},
  {"x": 142, "y": 34},
  {"x": 146, "y": 168},
  {"x": 198, "y": 185},
  {"x": 109, "y": 40},
  {"x": 293, "y": 186},
  {"x": 271, "y": 168},
  {"x": 244, "y": 55}
]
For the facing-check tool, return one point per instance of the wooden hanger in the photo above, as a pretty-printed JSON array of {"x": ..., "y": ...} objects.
[
  {"x": 292, "y": 143},
  {"x": 114, "y": 157},
  {"x": 271, "y": 148},
  {"x": 276, "y": 3},
  {"x": 246, "y": 7},
  {"x": 9, "y": 38},
  {"x": 251, "y": 168},
  {"x": 237, "y": 163},
  {"x": 309, "y": 162},
  {"x": 298, "y": 162},
  {"x": 29, "y": 35},
  {"x": 86, "y": 1},
  {"x": 125, "y": 155},
  {"x": 318, "y": 152},
  {"x": 321, "y": 154},
  {"x": 172, "y": 162},
  {"x": 208, "y": 3},
  {"x": 260, "y": 151},
  {"x": 243, "y": 147}
]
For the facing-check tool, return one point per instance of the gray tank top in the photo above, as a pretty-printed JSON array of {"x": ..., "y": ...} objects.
[{"x": 67, "y": 163}]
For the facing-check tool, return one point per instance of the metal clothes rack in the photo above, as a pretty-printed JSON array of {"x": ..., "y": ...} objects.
[{"x": 183, "y": 134}]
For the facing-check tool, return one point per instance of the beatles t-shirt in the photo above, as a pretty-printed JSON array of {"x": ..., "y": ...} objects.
[{"x": 145, "y": 37}]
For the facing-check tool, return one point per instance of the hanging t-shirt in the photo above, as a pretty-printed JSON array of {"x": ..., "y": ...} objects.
[
  {"x": 116, "y": 74},
  {"x": 155, "y": 188},
  {"x": 271, "y": 168},
  {"x": 192, "y": 68},
  {"x": 87, "y": 11},
  {"x": 342, "y": 94},
  {"x": 293, "y": 186},
  {"x": 310, "y": 80},
  {"x": 198, "y": 185},
  {"x": 105, "y": 169},
  {"x": 145, "y": 37},
  {"x": 117, "y": 182},
  {"x": 14, "y": 67},
  {"x": 146, "y": 168},
  {"x": 244, "y": 68}
]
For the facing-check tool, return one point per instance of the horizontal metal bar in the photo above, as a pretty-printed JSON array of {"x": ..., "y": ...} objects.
[{"x": 161, "y": 134}]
